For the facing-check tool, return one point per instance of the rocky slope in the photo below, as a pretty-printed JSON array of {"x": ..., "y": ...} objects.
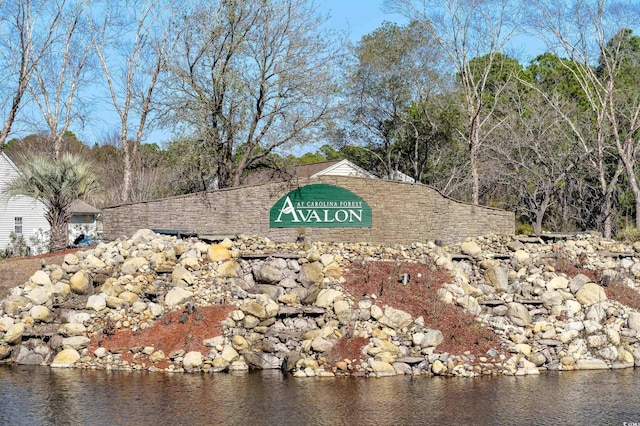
[{"x": 249, "y": 303}]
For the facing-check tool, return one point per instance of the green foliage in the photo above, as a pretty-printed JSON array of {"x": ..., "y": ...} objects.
[
  {"x": 396, "y": 71},
  {"x": 629, "y": 234},
  {"x": 190, "y": 166},
  {"x": 622, "y": 52},
  {"x": 310, "y": 158},
  {"x": 329, "y": 152},
  {"x": 57, "y": 184},
  {"x": 524, "y": 229},
  {"x": 502, "y": 70},
  {"x": 553, "y": 74}
]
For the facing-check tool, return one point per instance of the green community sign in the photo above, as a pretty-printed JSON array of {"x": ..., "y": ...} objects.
[{"x": 320, "y": 206}]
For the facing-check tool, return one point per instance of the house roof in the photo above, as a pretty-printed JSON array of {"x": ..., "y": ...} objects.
[
  {"x": 302, "y": 171},
  {"x": 80, "y": 207},
  {"x": 8, "y": 160}
]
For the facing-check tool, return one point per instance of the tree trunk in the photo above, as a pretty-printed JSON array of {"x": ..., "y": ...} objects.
[
  {"x": 606, "y": 225},
  {"x": 537, "y": 226},
  {"x": 474, "y": 148},
  {"x": 59, "y": 232},
  {"x": 635, "y": 188}
]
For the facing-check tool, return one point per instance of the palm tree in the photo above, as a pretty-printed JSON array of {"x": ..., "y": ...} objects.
[{"x": 57, "y": 184}]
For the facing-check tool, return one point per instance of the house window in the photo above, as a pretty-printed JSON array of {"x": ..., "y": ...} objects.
[{"x": 18, "y": 225}]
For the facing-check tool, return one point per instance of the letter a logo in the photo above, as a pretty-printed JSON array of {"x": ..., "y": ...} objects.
[{"x": 287, "y": 208}]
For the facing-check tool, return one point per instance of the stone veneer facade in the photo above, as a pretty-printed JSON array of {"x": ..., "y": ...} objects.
[{"x": 401, "y": 213}]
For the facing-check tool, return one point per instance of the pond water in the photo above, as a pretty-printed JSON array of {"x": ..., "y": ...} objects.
[{"x": 39, "y": 395}]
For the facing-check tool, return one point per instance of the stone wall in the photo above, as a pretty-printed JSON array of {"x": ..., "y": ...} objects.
[{"x": 401, "y": 213}]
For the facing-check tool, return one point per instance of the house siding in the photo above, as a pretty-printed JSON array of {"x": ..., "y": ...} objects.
[
  {"x": 344, "y": 168},
  {"x": 31, "y": 211}
]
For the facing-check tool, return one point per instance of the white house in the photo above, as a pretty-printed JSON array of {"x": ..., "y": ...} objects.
[
  {"x": 20, "y": 215},
  {"x": 25, "y": 216},
  {"x": 84, "y": 221},
  {"x": 332, "y": 167},
  {"x": 401, "y": 177}
]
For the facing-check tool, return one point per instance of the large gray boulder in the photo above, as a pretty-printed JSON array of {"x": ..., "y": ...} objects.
[
  {"x": 518, "y": 314},
  {"x": 65, "y": 358},
  {"x": 633, "y": 321},
  {"x": 395, "y": 318},
  {"x": 80, "y": 283},
  {"x": 498, "y": 277},
  {"x": 39, "y": 295},
  {"x": 267, "y": 274},
  {"x": 177, "y": 296},
  {"x": 133, "y": 265},
  {"x": 14, "y": 333},
  {"x": 590, "y": 293},
  {"x": 311, "y": 273}
]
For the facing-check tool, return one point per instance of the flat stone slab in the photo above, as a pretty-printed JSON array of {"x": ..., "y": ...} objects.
[
  {"x": 534, "y": 240},
  {"x": 501, "y": 256},
  {"x": 495, "y": 302},
  {"x": 555, "y": 236},
  {"x": 180, "y": 233},
  {"x": 76, "y": 302},
  {"x": 288, "y": 311},
  {"x": 47, "y": 330},
  {"x": 410, "y": 359},
  {"x": 460, "y": 256},
  {"x": 314, "y": 310},
  {"x": 549, "y": 342},
  {"x": 591, "y": 364},
  {"x": 267, "y": 255},
  {"x": 617, "y": 254},
  {"x": 217, "y": 237}
]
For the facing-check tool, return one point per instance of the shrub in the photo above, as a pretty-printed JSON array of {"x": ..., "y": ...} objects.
[
  {"x": 17, "y": 247},
  {"x": 524, "y": 229},
  {"x": 630, "y": 234},
  {"x": 40, "y": 241}
]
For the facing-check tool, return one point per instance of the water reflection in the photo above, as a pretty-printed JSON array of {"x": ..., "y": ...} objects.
[{"x": 38, "y": 395}]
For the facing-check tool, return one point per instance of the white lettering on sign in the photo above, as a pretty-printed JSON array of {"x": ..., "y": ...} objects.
[{"x": 321, "y": 211}]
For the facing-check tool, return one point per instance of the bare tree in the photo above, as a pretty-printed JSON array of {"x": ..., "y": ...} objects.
[
  {"x": 468, "y": 29},
  {"x": 27, "y": 29},
  {"x": 534, "y": 154},
  {"x": 394, "y": 84},
  {"x": 61, "y": 72},
  {"x": 585, "y": 31},
  {"x": 132, "y": 40},
  {"x": 251, "y": 76}
]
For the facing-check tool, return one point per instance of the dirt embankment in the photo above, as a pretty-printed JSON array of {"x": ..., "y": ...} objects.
[{"x": 16, "y": 271}]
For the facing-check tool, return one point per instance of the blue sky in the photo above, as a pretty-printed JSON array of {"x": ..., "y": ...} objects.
[
  {"x": 360, "y": 16},
  {"x": 357, "y": 17}
]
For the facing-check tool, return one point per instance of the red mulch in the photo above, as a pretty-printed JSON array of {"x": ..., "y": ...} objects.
[
  {"x": 615, "y": 290},
  {"x": 347, "y": 348},
  {"x": 623, "y": 294},
  {"x": 419, "y": 297},
  {"x": 174, "y": 330},
  {"x": 571, "y": 269}
]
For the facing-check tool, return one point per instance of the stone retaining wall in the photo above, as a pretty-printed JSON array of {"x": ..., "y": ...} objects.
[{"x": 401, "y": 213}]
